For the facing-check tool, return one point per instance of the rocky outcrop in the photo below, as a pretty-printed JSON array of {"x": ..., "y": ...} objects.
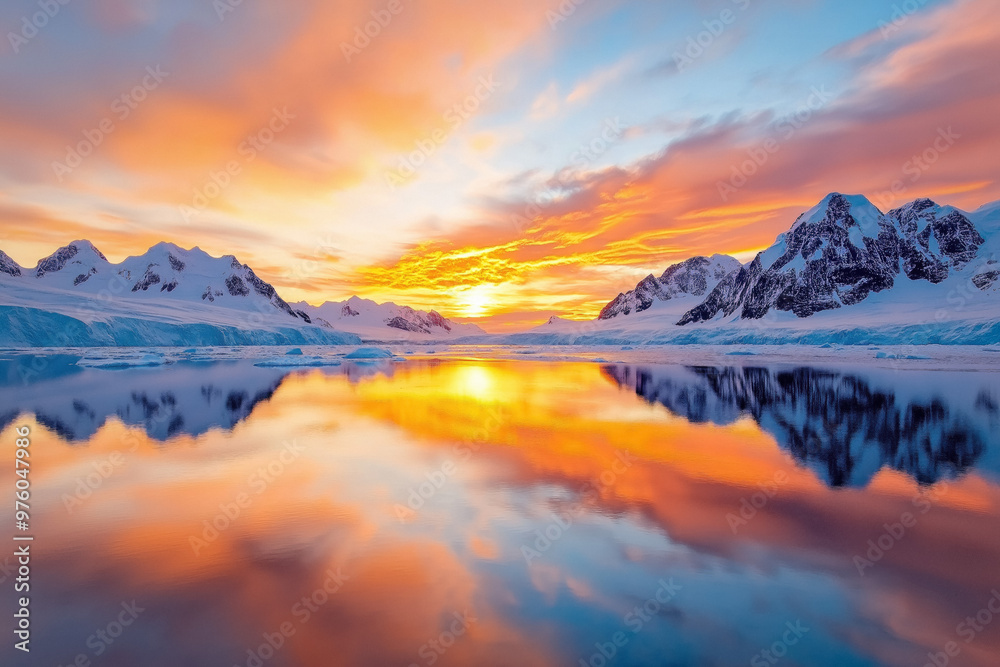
[
  {"x": 405, "y": 325},
  {"x": 148, "y": 279},
  {"x": 8, "y": 265},
  {"x": 930, "y": 244}
]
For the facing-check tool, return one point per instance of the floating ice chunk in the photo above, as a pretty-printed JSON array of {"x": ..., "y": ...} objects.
[
  {"x": 294, "y": 351},
  {"x": 113, "y": 363},
  {"x": 297, "y": 362},
  {"x": 369, "y": 353},
  {"x": 883, "y": 355}
]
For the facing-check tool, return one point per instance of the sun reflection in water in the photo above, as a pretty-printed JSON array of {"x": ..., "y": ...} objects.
[{"x": 474, "y": 381}]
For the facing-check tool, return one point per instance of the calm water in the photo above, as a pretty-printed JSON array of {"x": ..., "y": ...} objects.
[{"x": 478, "y": 512}]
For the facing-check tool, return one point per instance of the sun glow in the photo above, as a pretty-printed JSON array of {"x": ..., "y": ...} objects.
[{"x": 476, "y": 301}]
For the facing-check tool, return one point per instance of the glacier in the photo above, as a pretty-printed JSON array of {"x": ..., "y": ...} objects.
[
  {"x": 968, "y": 333},
  {"x": 32, "y": 327}
]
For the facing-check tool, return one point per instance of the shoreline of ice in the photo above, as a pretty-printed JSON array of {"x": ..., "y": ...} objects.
[{"x": 900, "y": 357}]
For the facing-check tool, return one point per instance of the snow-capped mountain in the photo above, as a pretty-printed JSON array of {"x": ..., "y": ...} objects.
[
  {"x": 844, "y": 250},
  {"x": 386, "y": 321},
  {"x": 843, "y": 273},
  {"x": 165, "y": 271},
  {"x": 682, "y": 285},
  {"x": 166, "y": 296}
]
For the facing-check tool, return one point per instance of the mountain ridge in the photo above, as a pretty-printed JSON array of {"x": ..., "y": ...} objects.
[
  {"x": 368, "y": 318},
  {"x": 693, "y": 277},
  {"x": 836, "y": 255},
  {"x": 167, "y": 295}
]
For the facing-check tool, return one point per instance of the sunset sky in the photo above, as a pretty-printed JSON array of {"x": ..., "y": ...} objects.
[{"x": 506, "y": 161}]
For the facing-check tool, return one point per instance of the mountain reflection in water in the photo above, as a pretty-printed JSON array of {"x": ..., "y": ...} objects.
[
  {"x": 184, "y": 398},
  {"x": 844, "y": 425}
]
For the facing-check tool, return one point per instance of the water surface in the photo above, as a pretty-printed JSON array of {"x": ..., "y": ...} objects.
[{"x": 486, "y": 512}]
